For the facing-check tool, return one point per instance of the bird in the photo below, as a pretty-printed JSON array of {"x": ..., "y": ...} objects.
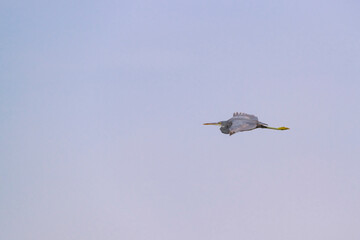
[{"x": 241, "y": 122}]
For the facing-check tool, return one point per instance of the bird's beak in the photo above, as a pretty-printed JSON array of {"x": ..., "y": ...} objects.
[{"x": 218, "y": 124}]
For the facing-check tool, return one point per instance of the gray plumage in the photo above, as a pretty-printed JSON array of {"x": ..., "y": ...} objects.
[{"x": 241, "y": 122}]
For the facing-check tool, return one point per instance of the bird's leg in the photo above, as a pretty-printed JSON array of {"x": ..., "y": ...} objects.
[{"x": 279, "y": 128}]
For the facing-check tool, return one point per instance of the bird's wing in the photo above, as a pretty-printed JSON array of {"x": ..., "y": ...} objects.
[
  {"x": 244, "y": 116},
  {"x": 240, "y": 125}
]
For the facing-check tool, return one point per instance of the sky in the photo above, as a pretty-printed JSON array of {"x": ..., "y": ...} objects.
[{"x": 101, "y": 112}]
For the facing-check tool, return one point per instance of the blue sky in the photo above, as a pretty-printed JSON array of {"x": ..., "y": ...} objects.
[{"x": 101, "y": 112}]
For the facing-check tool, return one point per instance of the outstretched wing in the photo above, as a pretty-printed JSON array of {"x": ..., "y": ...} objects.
[
  {"x": 243, "y": 122},
  {"x": 243, "y": 125},
  {"x": 240, "y": 115}
]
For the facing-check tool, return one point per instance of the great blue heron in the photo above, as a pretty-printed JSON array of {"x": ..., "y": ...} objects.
[{"x": 242, "y": 122}]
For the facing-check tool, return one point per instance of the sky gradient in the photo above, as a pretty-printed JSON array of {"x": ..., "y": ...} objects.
[{"x": 101, "y": 112}]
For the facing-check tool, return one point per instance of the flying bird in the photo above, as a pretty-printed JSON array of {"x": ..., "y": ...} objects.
[{"x": 241, "y": 122}]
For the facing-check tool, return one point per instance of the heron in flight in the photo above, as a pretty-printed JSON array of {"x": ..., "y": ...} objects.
[{"x": 241, "y": 122}]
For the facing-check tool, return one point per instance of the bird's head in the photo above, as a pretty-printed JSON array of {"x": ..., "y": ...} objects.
[{"x": 221, "y": 123}]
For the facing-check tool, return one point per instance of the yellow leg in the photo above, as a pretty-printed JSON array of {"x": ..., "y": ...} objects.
[{"x": 279, "y": 128}]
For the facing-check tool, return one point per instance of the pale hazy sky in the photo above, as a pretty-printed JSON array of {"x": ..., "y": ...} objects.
[{"x": 101, "y": 112}]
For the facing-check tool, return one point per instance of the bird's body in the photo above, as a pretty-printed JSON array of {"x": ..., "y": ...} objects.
[{"x": 242, "y": 122}]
